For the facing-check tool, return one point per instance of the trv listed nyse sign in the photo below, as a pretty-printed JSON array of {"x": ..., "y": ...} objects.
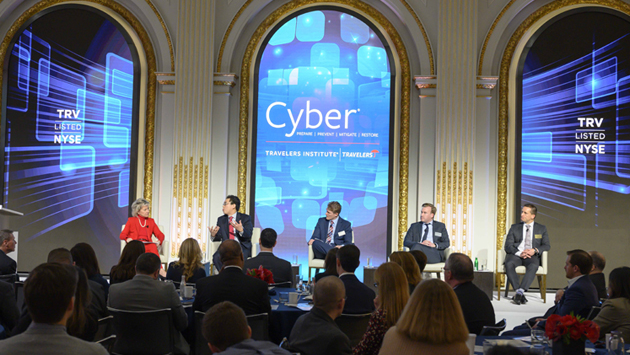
[{"x": 590, "y": 136}]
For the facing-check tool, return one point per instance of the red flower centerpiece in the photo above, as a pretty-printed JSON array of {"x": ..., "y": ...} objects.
[
  {"x": 569, "y": 333},
  {"x": 262, "y": 274}
]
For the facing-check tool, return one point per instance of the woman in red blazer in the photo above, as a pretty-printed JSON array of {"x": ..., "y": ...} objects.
[{"x": 141, "y": 227}]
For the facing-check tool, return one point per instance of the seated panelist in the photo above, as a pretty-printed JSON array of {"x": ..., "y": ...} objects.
[
  {"x": 330, "y": 232},
  {"x": 233, "y": 225},
  {"x": 140, "y": 227},
  {"x": 428, "y": 236}
]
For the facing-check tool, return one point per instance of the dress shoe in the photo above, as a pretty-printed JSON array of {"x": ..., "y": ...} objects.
[
  {"x": 518, "y": 298},
  {"x": 524, "y": 300}
]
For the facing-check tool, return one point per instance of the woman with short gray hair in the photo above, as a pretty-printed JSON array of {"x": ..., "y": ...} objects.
[{"x": 140, "y": 227}]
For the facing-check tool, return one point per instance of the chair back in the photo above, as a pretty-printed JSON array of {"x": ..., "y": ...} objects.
[
  {"x": 10, "y": 278},
  {"x": 143, "y": 332},
  {"x": 105, "y": 328},
  {"x": 260, "y": 326},
  {"x": 108, "y": 343},
  {"x": 354, "y": 326},
  {"x": 19, "y": 294},
  {"x": 493, "y": 330},
  {"x": 594, "y": 312},
  {"x": 201, "y": 345}
]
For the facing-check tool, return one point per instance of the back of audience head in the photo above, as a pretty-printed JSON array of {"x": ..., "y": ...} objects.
[
  {"x": 393, "y": 291},
  {"x": 82, "y": 298},
  {"x": 190, "y": 257},
  {"x": 329, "y": 295},
  {"x": 231, "y": 253},
  {"x": 348, "y": 258},
  {"x": 268, "y": 238},
  {"x": 578, "y": 263},
  {"x": 60, "y": 256},
  {"x": 330, "y": 263},
  {"x": 126, "y": 267},
  {"x": 49, "y": 292},
  {"x": 619, "y": 283},
  {"x": 148, "y": 264},
  {"x": 409, "y": 266},
  {"x": 421, "y": 259},
  {"x": 225, "y": 325},
  {"x": 432, "y": 309},
  {"x": 599, "y": 261},
  {"x": 84, "y": 256},
  {"x": 458, "y": 269}
]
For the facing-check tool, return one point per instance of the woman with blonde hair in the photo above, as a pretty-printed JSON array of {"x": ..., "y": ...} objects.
[
  {"x": 409, "y": 266},
  {"x": 140, "y": 227},
  {"x": 392, "y": 297},
  {"x": 431, "y": 323},
  {"x": 189, "y": 263}
]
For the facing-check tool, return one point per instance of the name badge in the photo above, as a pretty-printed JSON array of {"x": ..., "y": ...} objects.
[
  {"x": 342, "y": 233},
  {"x": 438, "y": 234},
  {"x": 538, "y": 236}
]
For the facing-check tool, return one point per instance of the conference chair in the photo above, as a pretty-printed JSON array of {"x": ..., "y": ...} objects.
[
  {"x": 354, "y": 326},
  {"x": 260, "y": 326},
  {"x": 201, "y": 345},
  {"x": 108, "y": 343},
  {"x": 105, "y": 328},
  {"x": 436, "y": 268},
  {"x": 594, "y": 312},
  {"x": 10, "y": 278},
  {"x": 541, "y": 274},
  {"x": 163, "y": 249},
  {"x": 214, "y": 246},
  {"x": 143, "y": 332},
  {"x": 317, "y": 263},
  {"x": 493, "y": 330}
]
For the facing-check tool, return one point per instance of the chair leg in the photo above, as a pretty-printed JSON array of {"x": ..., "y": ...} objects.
[
  {"x": 507, "y": 286},
  {"x": 309, "y": 273},
  {"x": 543, "y": 287},
  {"x": 497, "y": 280}
]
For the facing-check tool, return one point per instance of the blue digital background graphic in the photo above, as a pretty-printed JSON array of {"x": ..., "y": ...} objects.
[
  {"x": 323, "y": 132},
  {"x": 77, "y": 60}
]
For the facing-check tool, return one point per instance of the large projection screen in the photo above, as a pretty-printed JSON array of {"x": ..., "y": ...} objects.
[
  {"x": 70, "y": 118},
  {"x": 574, "y": 135},
  {"x": 323, "y": 121}
]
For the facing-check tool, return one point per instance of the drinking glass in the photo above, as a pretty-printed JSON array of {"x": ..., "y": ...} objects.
[
  {"x": 369, "y": 262},
  {"x": 538, "y": 337},
  {"x": 486, "y": 347},
  {"x": 295, "y": 259},
  {"x": 299, "y": 286}
]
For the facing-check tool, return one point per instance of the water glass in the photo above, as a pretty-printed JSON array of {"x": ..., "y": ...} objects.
[
  {"x": 487, "y": 346},
  {"x": 295, "y": 259},
  {"x": 369, "y": 262},
  {"x": 483, "y": 264},
  {"x": 538, "y": 337},
  {"x": 299, "y": 286}
]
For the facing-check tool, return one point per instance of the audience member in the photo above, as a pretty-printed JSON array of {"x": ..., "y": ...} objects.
[
  {"x": 316, "y": 332},
  {"x": 225, "y": 329},
  {"x": 476, "y": 307},
  {"x": 615, "y": 312},
  {"x": 393, "y": 293},
  {"x": 359, "y": 297},
  {"x": 9, "y": 313},
  {"x": 409, "y": 266},
  {"x": 421, "y": 259},
  {"x": 85, "y": 257},
  {"x": 189, "y": 263},
  {"x": 330, "y": 265},
  {"x": 280, "y": 268},
  {"x": 126, "y": 267},
  {"x": 7, "y": 245},
  {"x": 431, "y": 323},
  {"x": 231, "y": 284},
  {"x": 144, "y": 292},
  {"x": 597, "y": 274},
  {"x": 49, "y": 293},
  {"x": 83, "y": 323}
]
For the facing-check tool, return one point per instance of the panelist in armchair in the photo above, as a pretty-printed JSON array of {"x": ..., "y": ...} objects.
[
  {"x": 141, "y": 227},
  {"x": 428, "y": 236},
  {"x": 330, "y": 232},
  {"x": 233, "y": 225}
]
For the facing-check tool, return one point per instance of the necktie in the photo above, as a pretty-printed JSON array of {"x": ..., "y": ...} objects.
[
  {"x": 231, "y": 228},
  {"x": 330, "y": 233},
  {"x": 528, "y": 238},
  {"x": 426, "y": 232}
]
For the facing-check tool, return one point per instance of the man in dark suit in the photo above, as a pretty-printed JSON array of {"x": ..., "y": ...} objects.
[
  {"x": 9, "y": 313},
  {"x": 8, "y": 266},
  {"x": 144, "y": 292},
  {"x": 477, "y": 309},
  {"x": 316, "y": 332},
  {"x": 330, "y": 232},
  {"x": 231, "y": 284},
  {"x": 359, "y": 297},
  {"x": 428, "y": 236},
  {"x": 280, "y": 268},
  {"x": 597, "y": 274},
  {"x": 233, "y": 225},
  {"x": 524, "y": 244}
]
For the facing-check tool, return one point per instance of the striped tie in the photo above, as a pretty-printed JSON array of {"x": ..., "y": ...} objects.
[{"x": 330, "y": 233}]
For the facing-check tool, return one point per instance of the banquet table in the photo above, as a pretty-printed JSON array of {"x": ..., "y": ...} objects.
[
  {"x": 283, "y": 317},
  {"x": 590, "y": 349}
]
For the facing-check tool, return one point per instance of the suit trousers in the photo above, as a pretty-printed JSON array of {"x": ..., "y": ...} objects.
[
  {"x": 216, "y": 258},
  {"x": 434, "y": 256},
  {"x": 320, "y": 249},
  {"x": 531, "y": 266}
]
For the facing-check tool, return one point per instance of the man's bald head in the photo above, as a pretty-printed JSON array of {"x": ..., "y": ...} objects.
[
  {"x": 328, "y": 292},
  {"x": 231, "y": 253}
]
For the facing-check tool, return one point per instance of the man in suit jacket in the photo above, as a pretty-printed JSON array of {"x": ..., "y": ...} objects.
[
  {"x": 330, "y": 232},
  {"x": 359, "y": 297},
  {"x": 9, "y": 313},
  {"x": 49, "y": 294},
  {"x": 524, "y": 244},
  {"x": 475, "y": 304},
  {"x": 280, "y": 268},
  {"x": 8, "y": 266},
  {"x": 428, "y": 236},
  {"x": 597, "y": 274},
  {"x": 232, "y": 226},
  {"x": 231, "y": 284},
  {"x": 144, "y": 292},
  {"x": 316, "y": 332}
]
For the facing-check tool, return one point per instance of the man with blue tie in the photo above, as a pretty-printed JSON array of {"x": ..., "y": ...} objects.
[
  {"x": 330, "y": 232},
  {"x": 428, "y": 236}
]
